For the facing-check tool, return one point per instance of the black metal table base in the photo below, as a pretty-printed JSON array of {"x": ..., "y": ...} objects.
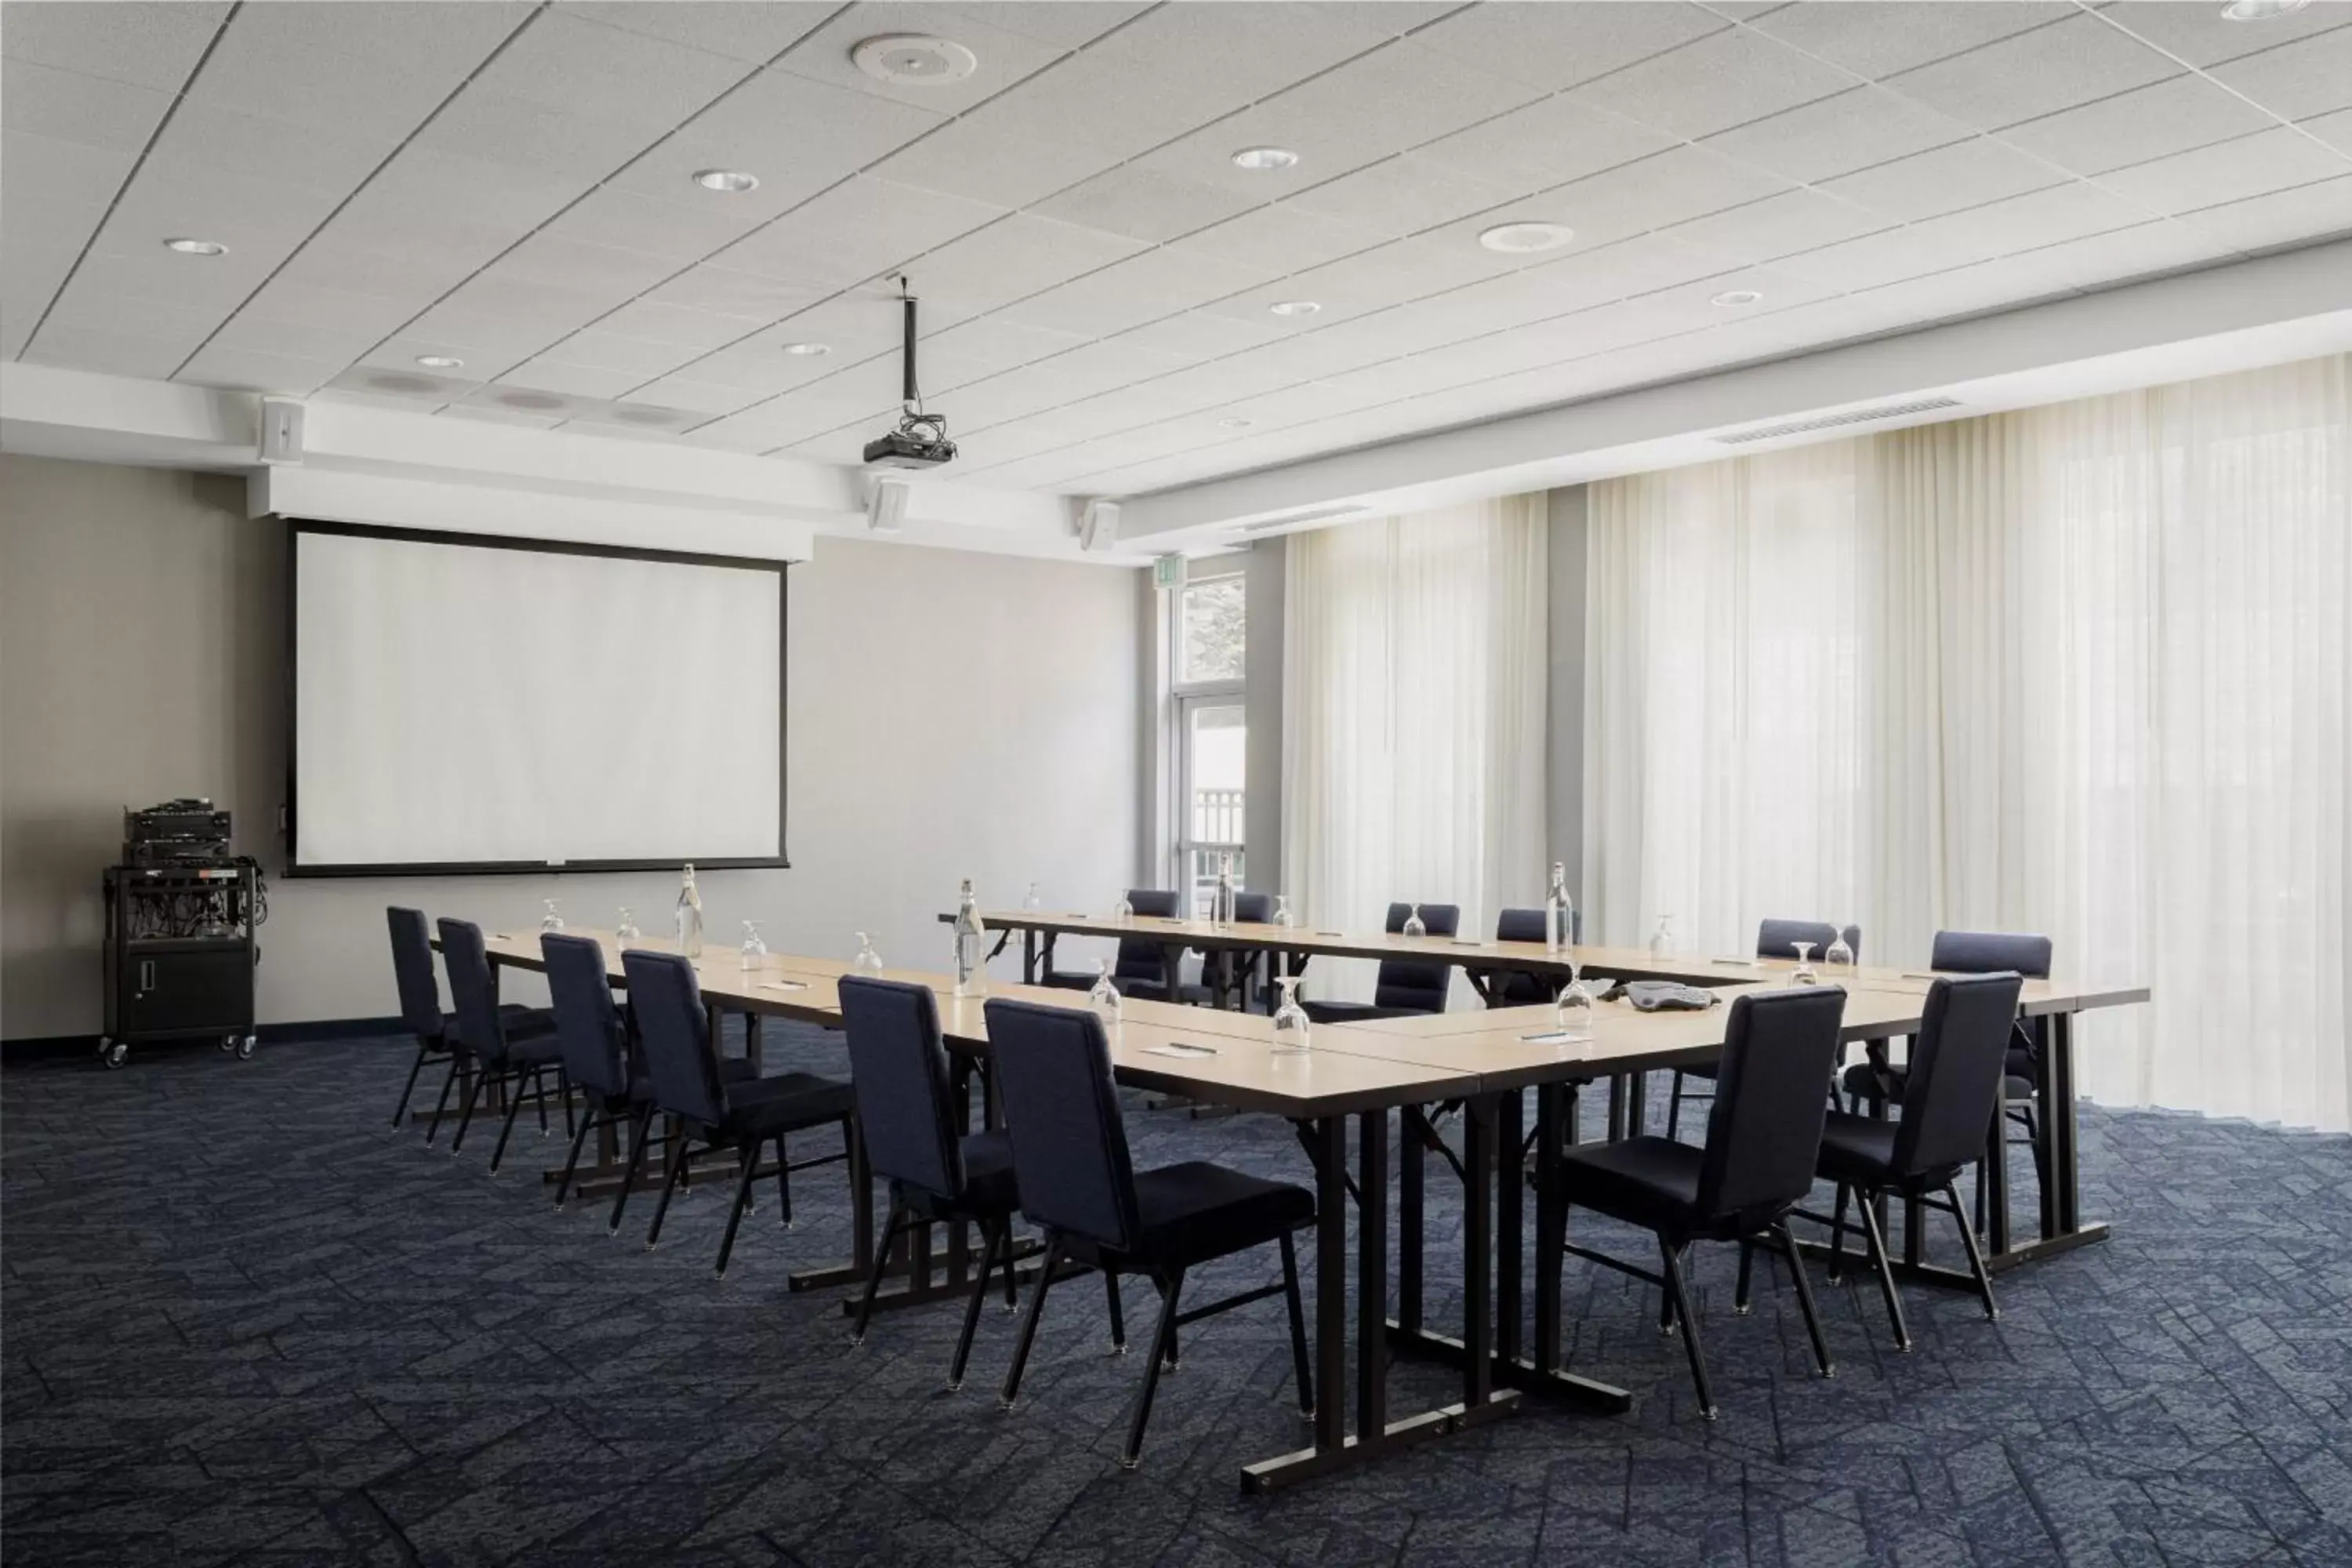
[
  {"x": 1307, "y": 1464},
  {"x": 1858, "y": 1265},
  {"x": 1516, "y": 1373},
  {"x": 947, "y": 1282}
]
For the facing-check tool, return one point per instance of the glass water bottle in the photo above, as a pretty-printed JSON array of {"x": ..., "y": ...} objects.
[
  {"x": 690, "y": 917},
  {"x": 1661, "y": 939},
  {"x": 1559, "y": 915},
  {"x": 553, "y": 919},
  {"x": 755, "y": 951},
  {"x": 970, "y": 964},
  {"x": 1221, "y": 908},
  {"x": 868, "y": 961},
  {"x": 627, "y": 935}
]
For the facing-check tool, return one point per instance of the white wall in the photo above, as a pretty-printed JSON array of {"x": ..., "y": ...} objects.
[{"x": 950, "y": 714}]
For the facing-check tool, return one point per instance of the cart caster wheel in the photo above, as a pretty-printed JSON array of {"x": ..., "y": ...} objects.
[
  {"x": 113, "y": 1053},
  {"x": 229, "y": 1042},
  {"x": 245, "y": 1048}
]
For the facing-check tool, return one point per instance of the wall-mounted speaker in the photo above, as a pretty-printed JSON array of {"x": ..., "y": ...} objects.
[
  {"x": 1098, "y": 526},
  {"x": 886, "y": 505},
  {"x": 281, "y": 430}
]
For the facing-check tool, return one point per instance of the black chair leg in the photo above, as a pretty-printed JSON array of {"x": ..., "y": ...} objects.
[
  {"x": 1011, "y": 1390},
  {"x": 1805, "y": 1298},
  {"x": 1665, "y": 1310},
  {"x": 1163, "y": 1349},
  {"x": 672, "y": 1169},
  {"x": 1299, "y": 1360},
  {"x": 1837, "y": 1234},
  {"x": 1740, "y": 1305},
  {"x": 466, "y": 1118},
  {"x": 1673, "y": 1107},
  {"x": 751, "y": 1164},
  {"x": 874, "y": 1274},
  {"x": 1976, "y": 1256},
  {"x": 579, "y": 1138},
  {"x": 442, "y": 1104},
  {"x": 514, "y": 1105},
  {"x": 1680, "y": 1302},
  {"x": 997, "y": 1244},
  {"x": 641, "y": 1128},
  {"x": 409, "y": 1088},
  {"x": 537, "y": 1094},
  {"x": 1117, "y": 1313},
  {"x": 783, "y": 1184},
  {"x": 1879, "y": 1260},
  {"x": 564, "y": 1087}
]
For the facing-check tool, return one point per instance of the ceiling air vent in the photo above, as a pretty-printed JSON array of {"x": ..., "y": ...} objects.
[
  {"x": 1319, "y": 514},
  {"x": 1833, "y": 421}
]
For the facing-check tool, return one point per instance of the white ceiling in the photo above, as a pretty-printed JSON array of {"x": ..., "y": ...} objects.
[{"x": 507, "y": 184}]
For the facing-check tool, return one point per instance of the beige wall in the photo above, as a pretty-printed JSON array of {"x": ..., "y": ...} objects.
[{"x": 949, "y": 714}]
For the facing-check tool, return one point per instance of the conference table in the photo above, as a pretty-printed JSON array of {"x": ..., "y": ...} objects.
[{"x": 1484, "y": 1062}]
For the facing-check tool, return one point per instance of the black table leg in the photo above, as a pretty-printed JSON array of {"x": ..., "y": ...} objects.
[
  {"x": 1509, "y": 1191},
  {"x": 1372, "y": 1278},
  {"x": 1330, "y": 1284},
  {"x": 1412, "y": 1126},
  {"x": 1550, "y": 1136}
]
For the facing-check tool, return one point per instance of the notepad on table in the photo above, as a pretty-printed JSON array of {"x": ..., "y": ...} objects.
[
  {"x": 1177, "y": 1049},
  {"x": 784, "y": 984}
]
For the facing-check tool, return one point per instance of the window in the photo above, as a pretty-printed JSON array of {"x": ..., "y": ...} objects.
[{"x": 1208, "y": 659}]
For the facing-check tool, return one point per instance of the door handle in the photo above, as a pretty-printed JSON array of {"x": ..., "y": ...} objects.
[{"x": 146, "y": 974}]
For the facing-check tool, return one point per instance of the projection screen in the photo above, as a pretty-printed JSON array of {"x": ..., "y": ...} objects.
[{"x": 468, "y": 703}]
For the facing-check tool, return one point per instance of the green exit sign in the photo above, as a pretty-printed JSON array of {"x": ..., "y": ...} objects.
[{"x": 1167, "y": 571}]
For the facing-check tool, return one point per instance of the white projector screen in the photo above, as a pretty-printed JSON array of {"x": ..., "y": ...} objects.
[{"x": 463, "y": 704}]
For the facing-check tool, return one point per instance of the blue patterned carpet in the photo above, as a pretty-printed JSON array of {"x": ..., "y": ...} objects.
[{"x": 246, "y": 1324}]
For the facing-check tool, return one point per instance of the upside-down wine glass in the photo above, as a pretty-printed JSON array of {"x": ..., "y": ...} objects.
[{"x": 1290, "y": 1020}]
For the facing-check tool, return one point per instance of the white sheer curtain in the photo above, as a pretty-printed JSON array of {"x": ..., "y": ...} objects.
[
  {"x": 2080, "y": 669},
  {"x": 1414, "y": 680}
]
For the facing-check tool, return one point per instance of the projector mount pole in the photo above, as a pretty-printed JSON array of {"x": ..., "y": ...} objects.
[{"x": 909, "y": 395}]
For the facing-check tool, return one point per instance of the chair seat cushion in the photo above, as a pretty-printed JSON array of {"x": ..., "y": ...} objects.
[
  {"x": 1857, "y": 1149},
  {"x": 1648, "y": 1182},
  {"x": 1886, "y": 1084},
  {"x": 1196, "y": 1211},
  {"x": 1356, "y": 1012},
  {"x": 786, "y": 1101}
]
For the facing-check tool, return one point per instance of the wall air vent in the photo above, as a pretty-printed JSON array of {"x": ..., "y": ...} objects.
[{"x": 1833, "y": 421}]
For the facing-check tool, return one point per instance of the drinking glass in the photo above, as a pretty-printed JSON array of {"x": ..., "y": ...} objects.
[
  {"x": 1030, "y": 901},
  {"x": 1574, "y": 1010},
  {"x": 551, "y": 921},
  {"x": 1122, "y": 911},
  {"x": 1412, "y": 926},
  {"x": 1281, "y": 911},
  {"x": 868, "y": 961},
  {"x": 1662, "y": 940},
  {"x": 1104, "y": 994},
  {"x": 1803, "y": 973},
  {"x": 1290, "y": 1020},
  {"x": 754, "y": 951},
  {"x": 1841, "y": 953},
  {"x": 626, "y": 933}
]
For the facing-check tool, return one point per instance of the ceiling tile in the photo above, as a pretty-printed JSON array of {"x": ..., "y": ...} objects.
[
  {"x": 1398, "y": 96},
  {"x": 1837, "y": 135},
  {"x": 389, "y": 258},
  {"x": 1544, "y": 144},
  {"x": 398, "y": 356},
  {"x": 752, "y": 34},
  {"x": 684, "y": 230},
  {"x": 1715, "y": 83},
  {"x": 2153, "y": 122},
  {"x": 257, "y": 221},
  {"x": 987, "y": 160},
  {"x": 566, "y": 262},
  {"x": 68, "y": 107},
  {"x": 1404, "y": 195},
  {"x": 700, "y": 397},
  {"x": 1618, "y": 271},
  {"x": 1016, "y": 257},
  {"x": 657, "y": 322},
  {"x": 1673, "y": 187},
  {"x": 2034, "y": 74},
  {"x": 435, "y": 186},
  {"x": 337, "y": 345},
  {"x": 1197, "y": 335},
  {"x": 204, "y": 138},
  {"x": 1142, "y": 204},
  {"x": 376, "y": 65},
  {"x": 158, "y": 274},
  {"x": 1776, "y": 225},
  {"x": 760, "y": 368},
  {"x": 1964, "y": 175},
  {"x": 1553, "y": 46},
  {"x": 1090, "y": 101},
  {"x": 1875, "y": 259},
  {"x": 483, "y": 337},
  {"x": 2027, "y": 222},
  {"x": 244, "y": 370},
  {"x": 2281, "y": 218},
  {"x": 1280, "y": 239},
  {"x": 855, "y": 325},
  {"x": 728, "y": 293},
  {"x": 2200, "y": 35},
  {"x": 107, "y": 353},
  {"x": 853, "y": 231},
  {"x": 580, "y": 68},
  {"x": 1004, "y": 57},
  {"x": 1207, "y": 155},
  {"x": 1693, "y": 304},
  {"x": 1393, "y": 273},
  {"x": 541, "y": 401},
  {"x": 1252, "y": 50},
  {"x": 572, "y": 380},
  {"x": 2254, "y": 165},
  {"x": 1132, "y": 292},
  {"x": 596, "y": 349},
  {"x": 2119, "y": 255},
  {"x": 1877, "y": 39},
  {"x": 74, "y": 181},
  {"x": 372, "y": 316},
  {"x": 2336, "y": 129},
  {"x": 495, "y": 290},
  {"x": 148, "y": 42},
  {"x": 1069, "y": 23},
  {"x": 2297, "y": 81},
  {"x": 534, "y": 135},
  {"x": 157, "y": 319},
  {"x": 973, "y": 350}
]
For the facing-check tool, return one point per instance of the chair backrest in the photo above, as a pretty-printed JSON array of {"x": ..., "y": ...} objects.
[
  {"x": 898, "y": 1069},
  {"x": 1070, "y": 1160},
  {"x": 411, "y": 969},
  {"x": 1140, "y": 958},
  {"x": 1990, "y": 952},
  {"x": 1417, "y": 983},
  {"x": 589, "y": 1028},
  {"x": 1253, "y": 909},
  {"x": 674, "y": 1031},
  {"x": 1521, "y": 989},
  {"x": 473, "y": 995},
  {"x": 1771, "y": 1100},
  {"x": 1778, "y": 939},
  {"x": 1957, "y": 1061}
]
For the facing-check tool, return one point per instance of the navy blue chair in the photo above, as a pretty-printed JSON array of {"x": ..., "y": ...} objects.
[
  {"x": 1227, "y": 971},
  {"x": 1404, "y": 986},
  {"x": 687, "y": 1081},
  {"x": 1774, "y": 938},
  {"x": 1076, "y": 1181},
  {"x": 420, "y": 1009},
  {"x": 595, "y": 1039},
  {"x": 1763, "y": 1142},
  {"x": 502, "y": 1048},
  {"x": 1954, "y": 1077},
  {"x": 1141, "y": 968},
  {"x": 910, "y": 1115},
  {"x": 1518, "y": 988}
]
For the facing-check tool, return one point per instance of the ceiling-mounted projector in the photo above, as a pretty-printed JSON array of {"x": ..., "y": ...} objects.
[{"x": 921, "y": 441}]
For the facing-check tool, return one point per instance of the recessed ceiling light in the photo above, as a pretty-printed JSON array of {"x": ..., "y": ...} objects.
[
  {"x": 1519, "y": 238},
  {"x": 1234, "y": 422},
  {"x": 808, "y": 351},
  {"x": 196, "y": 246},
  {"x": 439, "y": 362},
  {"x": 734, "y": 182},
  {"x": 1265, "y": 158},
  {"x": 2262, "y": 10},
  {"x": 1734, "y": 296},
  {"x": 914, "y": 60},
  {"x": 1295, "y": 307}
]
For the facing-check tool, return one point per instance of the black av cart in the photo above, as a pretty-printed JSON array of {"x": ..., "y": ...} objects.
[{"x": 180, "y": 955}]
